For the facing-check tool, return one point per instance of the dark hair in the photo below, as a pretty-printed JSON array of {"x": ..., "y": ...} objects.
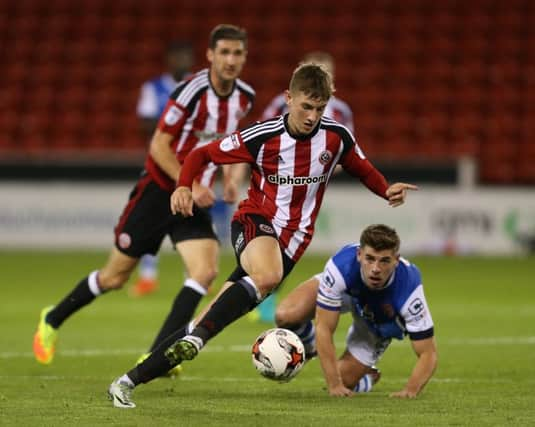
[
  {"x": 227, "y": 32},
  {"x": 313, "y": 80},
  {"x": 178, "y": 46},
  {"x": 380, "y": 237}
]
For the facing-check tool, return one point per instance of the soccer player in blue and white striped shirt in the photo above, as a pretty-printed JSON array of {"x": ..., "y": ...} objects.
[{"x": 384, "y": 293}]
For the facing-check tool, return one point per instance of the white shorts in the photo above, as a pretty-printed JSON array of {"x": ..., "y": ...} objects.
[{"x": 361, "y": 342}]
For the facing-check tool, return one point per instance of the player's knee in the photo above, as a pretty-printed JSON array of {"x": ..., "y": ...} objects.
[
  {"x": 267, "y": 281},
  {"x": 108, "y": 281},
  {"x": 284, "y": 316},
  {"x": 205, "y": 276}
]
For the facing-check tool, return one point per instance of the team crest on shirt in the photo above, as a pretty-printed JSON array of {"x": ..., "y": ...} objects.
[
  {"x": 388, "y": 310},
  {"x": 416, "y": 306},
  {"x": 325, "y": 157},
  {"x": 172, "y": 116},
  {"x": 124, "y": 240},
  {"x": 266, "y": 229},
  {"x": 231, "y": 142}
]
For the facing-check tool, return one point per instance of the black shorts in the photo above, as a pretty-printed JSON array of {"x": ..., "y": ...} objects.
[
  {"x": 246, "y": 228},
  {"x": 147, "y": 219}
]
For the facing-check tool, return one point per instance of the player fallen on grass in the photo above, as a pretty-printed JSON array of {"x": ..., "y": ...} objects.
[
  {"x": 207, "y": 105},
  {"x": 384, "y": 293},
  {"x": 292, "y": 158}
]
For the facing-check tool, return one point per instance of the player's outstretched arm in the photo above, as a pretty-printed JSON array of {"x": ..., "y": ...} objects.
[
  {"x": 397, "y": 193},
  {"x": 326, "y": 323},
  {"x": 426, "y": 350},
  {"x": 182, "y": 201}
]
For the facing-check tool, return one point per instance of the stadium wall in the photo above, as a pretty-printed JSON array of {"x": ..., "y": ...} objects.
[{"x": 436, "y": 219}]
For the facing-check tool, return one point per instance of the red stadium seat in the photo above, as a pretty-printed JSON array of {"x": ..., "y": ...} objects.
[{"x": 431, "y": 78}]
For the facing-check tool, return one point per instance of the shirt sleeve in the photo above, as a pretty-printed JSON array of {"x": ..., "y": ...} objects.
[
  {"x": 228, "y": 150},
  {"x": 331, "y": 289},
  {"x": 147, "y": 104},
  {"x": 357, "y": 165},
  {"x": 173, "y": 118},
  {"x": 417, "y": 316}
]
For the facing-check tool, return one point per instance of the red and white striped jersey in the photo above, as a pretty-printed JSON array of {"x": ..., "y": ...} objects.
[
  {"x": 289, "y": 176},
  {"x": 195, "y": 115},
  {"x": 335, "y": 109}
]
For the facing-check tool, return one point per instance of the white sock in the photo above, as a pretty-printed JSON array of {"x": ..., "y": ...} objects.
[
  {"x": 93, "y": 283},
  {"x": 196, "y": 341},
  {"x": 126, "y": 379},
  {"x": 246, "y": 280},
  {"x": 364, "y": 385},
  {"x": 190, "y": 327},
  {"x": 196, "y": 286},
  {"x": 307, "y": 333}
]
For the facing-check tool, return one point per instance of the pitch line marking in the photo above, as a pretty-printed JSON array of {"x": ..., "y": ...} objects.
[{"x": 97, "y": 352}]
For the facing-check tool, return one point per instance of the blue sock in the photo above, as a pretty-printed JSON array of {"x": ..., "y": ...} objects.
[{"x": 267, "y": 309}]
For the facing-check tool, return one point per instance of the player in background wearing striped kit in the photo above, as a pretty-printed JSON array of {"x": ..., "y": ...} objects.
[
  {"x": 384, "y": 294},
  {"x": 206, "y": 106},
  {"x": 152, "y": 101},
  {"x": 336, "y": 109},
  {"x": 292, "y": 158}
]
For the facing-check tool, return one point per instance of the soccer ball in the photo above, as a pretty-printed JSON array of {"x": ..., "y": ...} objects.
[{"x": 278, "y": 354}]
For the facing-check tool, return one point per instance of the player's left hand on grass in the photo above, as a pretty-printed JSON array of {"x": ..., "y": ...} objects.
[
  {"x": 182, "y": 201},
  {"x": 397, "y": 192},
  {"x": 404, "y": 394},
  {"x": 340, "y": 390}
]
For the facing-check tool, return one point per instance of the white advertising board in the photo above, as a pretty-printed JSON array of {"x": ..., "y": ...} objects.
[{"x": 434, "y": 219}]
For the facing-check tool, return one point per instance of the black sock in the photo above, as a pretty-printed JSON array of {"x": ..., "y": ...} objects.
[
  {"x": 79, "y": 297},
  {"x": 238, "y": 299},
  {"x": 184, "y": 306},
  {"x": 156, "y": 364}
]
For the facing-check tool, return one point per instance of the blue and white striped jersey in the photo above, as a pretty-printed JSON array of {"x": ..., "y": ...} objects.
[
  {"x": 154, "y": 96},
  {"x": 397, "y": 309}
]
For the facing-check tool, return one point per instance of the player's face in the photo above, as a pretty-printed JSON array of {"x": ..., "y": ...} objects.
[
  {"x": 377, "y": 266},
  {"x": 227, "y": 59},
  {"x": 304, "y": 112}
]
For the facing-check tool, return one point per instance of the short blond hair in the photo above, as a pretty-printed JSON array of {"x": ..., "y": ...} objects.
[{"x": 313, "y": 80}]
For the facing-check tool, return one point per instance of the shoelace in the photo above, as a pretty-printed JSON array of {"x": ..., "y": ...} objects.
[{"x": 126, "y": 392}]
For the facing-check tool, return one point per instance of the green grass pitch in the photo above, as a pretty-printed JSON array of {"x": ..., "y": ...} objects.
[{"x": 483, "y": 308}]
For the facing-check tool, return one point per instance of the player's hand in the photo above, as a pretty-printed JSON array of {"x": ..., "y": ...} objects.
[
  {"x": 203, "y": 197},
  {"x": 340, "y": 390},
  {"x": 230, "y": 191},
  {"x": 397, "y": 192},
  {"x": 182, "y": 201},
  {"x": 404, "y": 394}
]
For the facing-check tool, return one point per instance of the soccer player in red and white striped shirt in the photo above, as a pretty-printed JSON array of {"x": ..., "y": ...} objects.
[
  {"x": 292, "y": 159},
  {"x": 336, "y": 109},
  {"x": 206, "y": 106}
]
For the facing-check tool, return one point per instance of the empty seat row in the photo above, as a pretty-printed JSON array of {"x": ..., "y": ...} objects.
[{"x": 425, "y": 79}]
